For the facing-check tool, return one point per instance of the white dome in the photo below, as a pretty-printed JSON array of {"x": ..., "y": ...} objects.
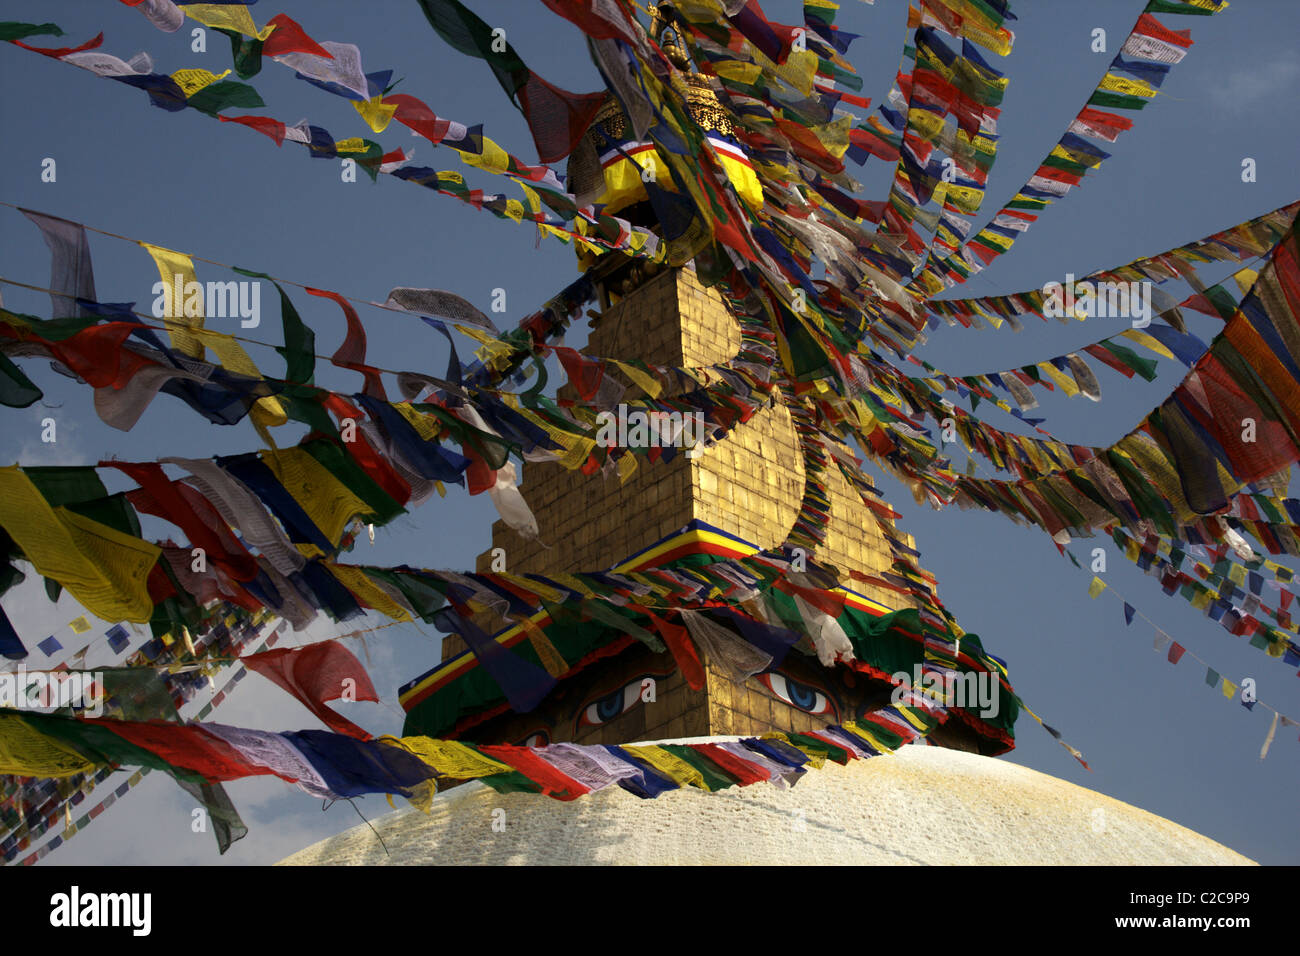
[{"x": 922, "y": 805}]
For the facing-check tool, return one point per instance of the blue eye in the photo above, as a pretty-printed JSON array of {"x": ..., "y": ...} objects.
[
  {"x": 620, "y": 701},
  {"x": 801, "y": 696},
  {"x": 606, "y": 708},
  {"x": 609, "y": 706}
]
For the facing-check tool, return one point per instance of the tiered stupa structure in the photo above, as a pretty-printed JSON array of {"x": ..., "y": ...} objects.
[
  {"x": 740, "y": 496},
  {"x": 733, "y": 498}
]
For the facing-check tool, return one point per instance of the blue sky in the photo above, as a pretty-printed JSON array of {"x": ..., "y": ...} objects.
[{"x": 1154, "y": 734}]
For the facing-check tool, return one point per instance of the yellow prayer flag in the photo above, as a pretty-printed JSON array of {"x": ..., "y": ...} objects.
[
  {"x": 997, "y": 41},
  {"x": 101, "y": 567},
  {"x": 191, "y": 81},
  {"x": 1147, "y": 341},
  {"x": 324, "y": 498},
  {"x": 995, "y": 239},
  {"x": 26, "y": 752},
  {"x": 1076, "y": 156},
  {"x": 177, "y": 272},
  {"x": 494, "y": 159},
  {"x": 1126, "y": 86},
  {"x": 570, "y": 581},
  {"x": 865, "y": 731},
  {"x": 738, "y": 71},
  {"x": 376, "y": 112},
  {"x": 926, "y": 123},
  {"x": 967, "y": 199},
  {"x": 1096, "y": 587},
  {"x": 1066, "y": 382},
  {"x": 626, "y": 467},
  {"x": 534, "y": 201},
  {"x": 226, "y": 16},
  {"x": 670, "y": 765},
  {"x": 79, "y": 625},
  {"x": 367, "y": 591},
  {"x": 426, "y": 426},
  {"x": 450, "y": 758},
  {"x": 1245, "y": 279},
  {"x": 644, "y": 380},
  {"x": 183, "y": 303},
  {"x": 910, "y": 715}
]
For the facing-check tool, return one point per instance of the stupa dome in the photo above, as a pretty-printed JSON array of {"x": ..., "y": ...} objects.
[{"x": 922, "y": 805}]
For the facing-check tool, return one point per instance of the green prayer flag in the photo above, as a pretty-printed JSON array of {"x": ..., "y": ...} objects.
[
  {"x": 299, "y": 349},
  {"x": 16, "y": 389},
  {"x": 1177, "y": 6},
  {"x": 218, "y": 96},
  {"x": 1143, "y": 366},
  {"x": 1112, "y": 100},
  {"x": 12, "y": 30},
  {"x": 245, "y": 52}
]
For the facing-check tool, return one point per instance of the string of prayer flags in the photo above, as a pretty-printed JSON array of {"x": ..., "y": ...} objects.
[
  {"x": 1069, "y": 161},
  {"x": 340, "y": 766}
]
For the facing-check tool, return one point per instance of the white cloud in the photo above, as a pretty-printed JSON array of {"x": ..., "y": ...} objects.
[{"x": 1244, "y": 88}]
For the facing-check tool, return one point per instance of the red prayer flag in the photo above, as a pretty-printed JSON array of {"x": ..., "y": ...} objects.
[
  {"x": 289, "y": 37},
  {"x": 63, "y": 50},
  {"x": 187, "y": 747},
  {"x": 552, "y": 781},
  {"x": 745, "y": 773},
  {"x": 679, "y": 642},
  {"x": 317, "y": 673},
  {"x": 263, "y": 124},
  {"x": 584, "y": 374}
]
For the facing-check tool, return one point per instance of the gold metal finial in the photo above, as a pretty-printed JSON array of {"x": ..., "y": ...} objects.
[{"x": 667, "y": 34}]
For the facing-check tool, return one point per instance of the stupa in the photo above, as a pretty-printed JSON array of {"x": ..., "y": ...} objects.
[{"x": 731, "y": 498}]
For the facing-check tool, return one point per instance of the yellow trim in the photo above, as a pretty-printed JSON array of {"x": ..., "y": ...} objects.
[{"x": 693, "y": 536}]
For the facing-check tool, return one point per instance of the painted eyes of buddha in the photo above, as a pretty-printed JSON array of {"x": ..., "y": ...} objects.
[
  {"x": 798, "y": 695},
  {"x": 539, "y": 739},
  {"x": 602, "y": 710}
]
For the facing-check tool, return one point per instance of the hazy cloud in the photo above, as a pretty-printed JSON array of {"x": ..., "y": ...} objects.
[{"x": 1245, "y": 88}]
